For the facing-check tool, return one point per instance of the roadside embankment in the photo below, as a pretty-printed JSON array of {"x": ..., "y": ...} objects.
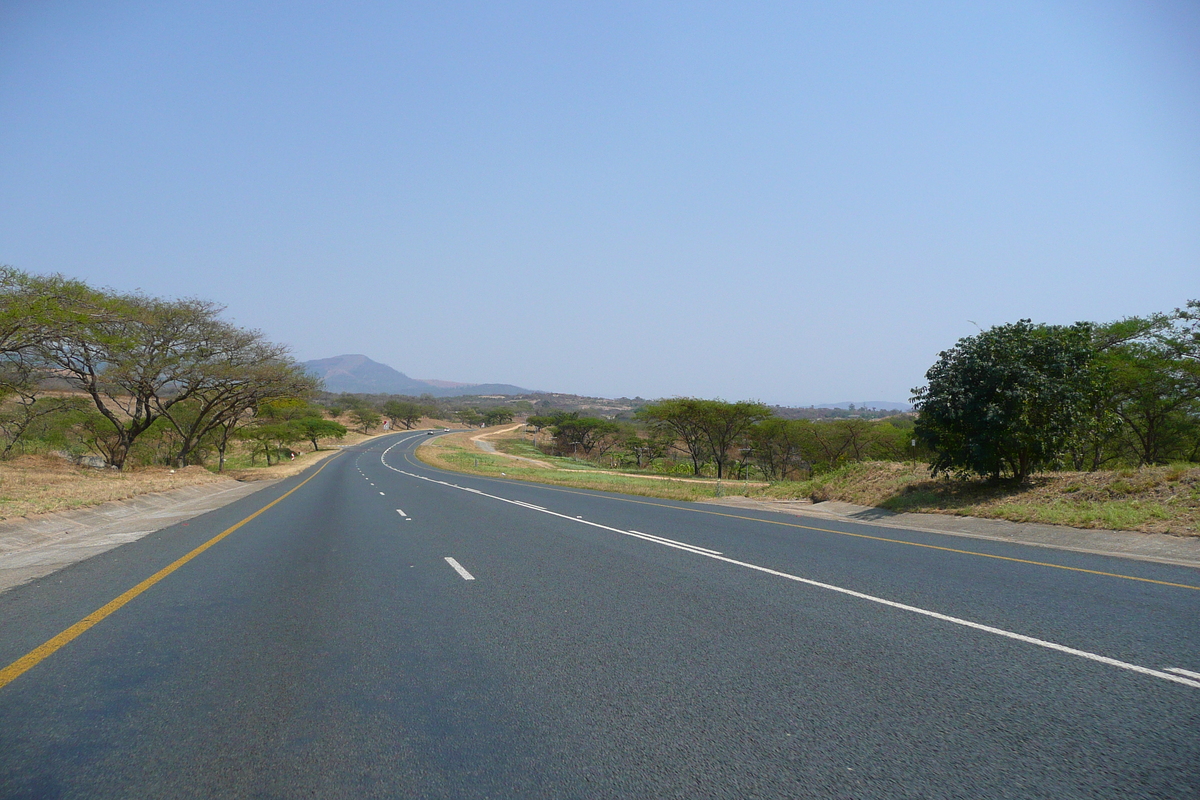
[
  {"x": 469, "y": 452},
  {"x": 1164, "y": 500},
  {"x": 54, "y": 513},
  {"x": 37, "y": 546},
  {"x": 1150, "y": 499}
]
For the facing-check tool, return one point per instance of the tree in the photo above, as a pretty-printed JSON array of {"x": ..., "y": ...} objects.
[
  {"x": 32, "y": 311},
  {"x": 1152, "y": 372},
  {"x": 406, "y": 412},
  {"x": 583, "y": 432},
  {"x": 243, "y": 374},
  {"x": 314, "y": 428},
  {"x": 780, "y": 445},
  {"x": 644, "y": 449},
  {"x": 682, "y": 417},
  {"x": 135, "y": 357},
  {"x": 365, "y": 417},
  {"x": 269, "y": 438},
  {"x": 708, "y": 428},
  {"x": 1008, "y": 400},
  {"x": 725, "y": 424},
  {"x": 468, "y": 416},
  {"x": 497, "y": 416}
]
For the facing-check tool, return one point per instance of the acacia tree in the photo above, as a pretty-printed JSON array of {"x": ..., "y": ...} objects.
[
  {"x": 315, "y": 428},
  {"x": 242, "y": 373},
  {"x": 1152, "y": 371},
  {"x": 724, "y": 426},
  {"x": 584, "y": 432},
  {"x": 134, "y": 359},
  {"x": 709, "y": 429},
  {"x": 468, "y": 416},
  {"x": 1008, "y": 400},
  {"x": 406, "y": 412},
  {"x": 780, "y": 445},
  {"x": 682, "y": 419},
  {"x": 497, "y": 416},
  {"x": 33, "y": 309}
]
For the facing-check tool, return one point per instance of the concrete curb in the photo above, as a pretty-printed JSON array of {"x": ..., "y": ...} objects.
[
  {"x": 1160, "y": 548},
  {"x": 31, "y": 548}
]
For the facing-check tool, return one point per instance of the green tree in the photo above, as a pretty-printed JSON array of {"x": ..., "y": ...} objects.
[
  {"x": 315, "y": 428},
  {"x": 1152, "y": 371},
  {"x": 497, "y": 416},
  {"x": 244, "y": 373},
  {"x": 270, "y": 438},
  {"x": 780, "y": 446},
  {"x": 709, "y": 429},
  {"x": 1008, "y": 400},
  {"x": 468, "y": 416},
  {"x": 365, "y": 418},
  {"x": 586, "y": 433},
  {"x": 644, "y": 449},
  {"x": 683, "y": 419},
  {"x": 406, "y": 412}
]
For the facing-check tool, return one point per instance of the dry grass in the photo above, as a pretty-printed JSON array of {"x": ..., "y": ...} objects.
[
  {"x": 1150, "y": 499},
  {"x": 41, "y": 484}
]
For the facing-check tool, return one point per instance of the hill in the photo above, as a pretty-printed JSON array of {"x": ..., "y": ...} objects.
[{"x": 360, "y": 375}]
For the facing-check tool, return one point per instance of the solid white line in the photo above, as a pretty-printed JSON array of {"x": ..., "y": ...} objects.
[
  {"x": 466, "y": 576},
  {"x": 665, "y": 540},
  {"x": 1112, "y": 662},
  {"x": 1187, "y": 673},
  {"x": 400, "y": 511}
]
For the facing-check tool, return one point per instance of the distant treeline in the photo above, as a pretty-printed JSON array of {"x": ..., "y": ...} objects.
[{"x": 724, "y": 439}]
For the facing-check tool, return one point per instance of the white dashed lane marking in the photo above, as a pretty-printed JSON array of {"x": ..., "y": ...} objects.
[
  {"x": 1172, "y": 674},
  {"x": 466, "y": 576}
]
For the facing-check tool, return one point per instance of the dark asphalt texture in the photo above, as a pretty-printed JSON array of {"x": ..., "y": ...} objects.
[{"x": 327, "y": 649}]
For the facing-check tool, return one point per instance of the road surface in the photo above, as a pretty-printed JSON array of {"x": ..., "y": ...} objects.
[{"x": 384, "y": 629}]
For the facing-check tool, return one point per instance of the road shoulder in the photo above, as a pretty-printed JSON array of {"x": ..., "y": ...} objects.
[
  {"x": 1157, "y": 547},
  {"x": 37, "y": 546}
]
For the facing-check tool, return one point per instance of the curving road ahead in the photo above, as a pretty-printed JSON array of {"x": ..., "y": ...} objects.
[{"x": 384, "y": 629}]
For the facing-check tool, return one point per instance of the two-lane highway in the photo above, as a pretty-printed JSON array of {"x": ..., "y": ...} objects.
[{"x": 386, "y": 629}]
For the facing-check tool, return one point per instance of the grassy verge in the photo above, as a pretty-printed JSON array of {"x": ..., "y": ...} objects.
[
  {"x": 1151, "y": 499},
  {"x": 456, "y": 452}
]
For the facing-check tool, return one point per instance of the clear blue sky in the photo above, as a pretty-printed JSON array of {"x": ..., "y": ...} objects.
[{"x": 792, "y": 202}]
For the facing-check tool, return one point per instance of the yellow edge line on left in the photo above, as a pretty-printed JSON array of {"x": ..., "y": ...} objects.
[{"x": 44, "y": 651}]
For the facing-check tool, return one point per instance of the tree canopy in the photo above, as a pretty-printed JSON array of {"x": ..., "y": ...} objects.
[{"x": 1009, "y": 400}]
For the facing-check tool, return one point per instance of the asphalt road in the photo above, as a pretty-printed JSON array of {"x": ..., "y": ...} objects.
[{"x": 389, "y": 630}]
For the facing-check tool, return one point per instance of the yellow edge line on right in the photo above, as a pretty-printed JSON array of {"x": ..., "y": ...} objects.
[{"x": 839, "y": 533}]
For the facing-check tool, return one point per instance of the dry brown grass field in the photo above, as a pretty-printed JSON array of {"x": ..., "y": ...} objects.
[
  {"x": 38, "y": 484},
  {"x": 41, "y": 484}
]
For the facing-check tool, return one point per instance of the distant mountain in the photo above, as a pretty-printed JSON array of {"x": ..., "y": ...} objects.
[
  {"x": 882, "y": 405},
  {"x": 358, "y": 374}
]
